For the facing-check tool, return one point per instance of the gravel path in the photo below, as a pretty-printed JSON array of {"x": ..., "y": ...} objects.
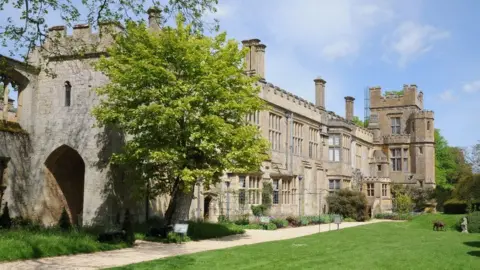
[{"x": 147, "y": 251}]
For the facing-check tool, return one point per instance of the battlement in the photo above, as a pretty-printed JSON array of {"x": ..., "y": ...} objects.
[
  {"x": 408, "y": 96},
  {"x": 424, "y": 114},
  {"x": 376, "y": 179},
  {"x": 279, "y": 96},
  {"x": 82, "y": 40}
]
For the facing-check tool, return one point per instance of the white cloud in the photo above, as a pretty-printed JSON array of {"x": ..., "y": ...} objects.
[
  {"x": 331, "y": 29},
  {"x": 447, "y": 96},
  {"x": 411, "y": 40},
  {"x": 472, "y": 87}
]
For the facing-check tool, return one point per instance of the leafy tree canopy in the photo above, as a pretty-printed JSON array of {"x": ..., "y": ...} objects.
[
  {"x": 356, "y": 120},
  {"x": 26, "y": 25},
  {"x": 183, "y": 99}
]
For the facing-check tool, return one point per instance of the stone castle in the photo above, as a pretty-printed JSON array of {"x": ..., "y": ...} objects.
[{"x": 61, "y": 158}]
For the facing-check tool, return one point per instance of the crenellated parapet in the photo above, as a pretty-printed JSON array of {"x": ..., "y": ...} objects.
[
  {"x": 424, "y": 114},
  {"x": 408, "y": 96},
  {"x": 294, "y": 103}
]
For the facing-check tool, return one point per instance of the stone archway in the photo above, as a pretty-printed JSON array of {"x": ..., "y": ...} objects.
[{"x": 66, "y": 172}]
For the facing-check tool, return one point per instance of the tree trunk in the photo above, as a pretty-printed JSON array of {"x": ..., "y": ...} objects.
[{"x": 180, "y": 202}]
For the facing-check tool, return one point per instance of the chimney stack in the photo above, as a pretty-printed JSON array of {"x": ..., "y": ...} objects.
[
  {"x": 255, "y": 58},
  {"x": 349, "y": 108},
  {"x": 320, "y": 92},
  {"x": 154, "y": 18}
]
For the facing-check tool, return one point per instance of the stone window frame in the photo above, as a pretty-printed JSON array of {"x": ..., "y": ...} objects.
[
  {"x": 405, "y": 154},
  {"x": 241, "y": 189},
  {"x": 254, "y": 189},
  {"x": 274, "y": 131},
  {"x": 314, "y": 139},
  {"x": 346, "y": 144},
  {"x": 358, "y": 156},
  {"x": 68, "y": 94},
  {"x": 276, "y": 191},
  {"x": 288, "y": 190},
  {"x": 297, "y": 138},
  {"x": 254, "y": 118},
  {"x": 384, "y": 190},
  {"x": 334, "y": 148},
  {"x": 396, "y": 159},
  {"x": 370, "y": 189},
  {"x": 334, "y": 185},
  {"x": 395, "y": 124}
]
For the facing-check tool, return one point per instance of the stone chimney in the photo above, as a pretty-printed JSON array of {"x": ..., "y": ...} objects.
[
  {"x": 255, "y": 58},
  {"x": 154, "y": 18},
  {"x": 320, "y": 92},
  {"x": 349, "y": 108}
]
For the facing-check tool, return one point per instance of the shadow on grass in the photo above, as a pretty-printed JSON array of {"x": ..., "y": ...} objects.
[
  {"x": 473, "y": 244},
  {"x": 475, "y": 253}
]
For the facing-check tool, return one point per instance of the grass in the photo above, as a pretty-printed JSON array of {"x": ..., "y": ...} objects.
[
  {"x": 388, "y": 245},
  {"x": 29, "y": 244}
]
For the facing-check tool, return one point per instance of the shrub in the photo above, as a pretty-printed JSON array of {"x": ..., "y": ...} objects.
[
  {"x": 207, "y": 230},
  {"x": 349, "y": 203},
  {"x": 270, "y": 226},
  {"x": 5, "y": 220},
  {"x": 253, "y": 226},
  {"x": 259, "y": 210},
  {"x": 293, "y": 221},
  {"x": 279, "y": 222},
  {"x": 64, "y": 222},
  {"x": 176, "y": 238},
  {"x": 455, "y": 206},
  {"x": 473, "y": 220},
  {"x": 223, "y": 219},
  {"x": 349, "y": 220},
  {"x": 128, "y": 228},
  {"x": 403, "y": 203},
  {"x": 243, "y": 220},
  {"x": 325, "y": 219},
  {"x": 304, "y": 221}
]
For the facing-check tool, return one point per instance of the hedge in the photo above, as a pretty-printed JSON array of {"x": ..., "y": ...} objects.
[{"x": 454, "y": 206}]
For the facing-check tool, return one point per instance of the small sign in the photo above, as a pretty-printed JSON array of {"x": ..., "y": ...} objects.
[
  {"x": 337, "y": 220},
  {"x": 180, "y": 228},
  {"x": 264, "y": 219}
]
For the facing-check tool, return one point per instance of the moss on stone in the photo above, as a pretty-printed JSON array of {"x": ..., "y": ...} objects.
[{"x": 13, "y": 127}]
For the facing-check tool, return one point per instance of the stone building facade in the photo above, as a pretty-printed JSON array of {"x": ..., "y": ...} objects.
[{"x": 62, "y": 160}]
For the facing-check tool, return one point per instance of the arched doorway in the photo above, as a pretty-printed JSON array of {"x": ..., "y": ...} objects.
[
  {"x": 67, "y": 169},
  {"x": 206, "y": 207}
]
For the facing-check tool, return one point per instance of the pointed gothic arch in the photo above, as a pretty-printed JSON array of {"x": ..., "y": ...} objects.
[{"x": 66, "y": 167}]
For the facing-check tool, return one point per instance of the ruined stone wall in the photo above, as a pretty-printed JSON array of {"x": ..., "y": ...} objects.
[{"x": 21, "y": 192}]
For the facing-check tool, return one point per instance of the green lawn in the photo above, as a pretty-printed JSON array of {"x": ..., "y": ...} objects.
[
  {"x": 27, "y": 244},
  {"x": 389, "y": 245}
]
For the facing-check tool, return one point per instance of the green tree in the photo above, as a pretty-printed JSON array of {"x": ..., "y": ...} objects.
[
  {"x": 356, "y": 120},
  {"x": 183, "y": 99},
  {"x": 445, "y": 164},
  {"x": 30, "y": 28}
]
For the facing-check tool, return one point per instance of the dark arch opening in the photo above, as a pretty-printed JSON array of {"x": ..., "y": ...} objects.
[
  {"x": 206, "y": 207},
  {"x": 67, "y": 168}
]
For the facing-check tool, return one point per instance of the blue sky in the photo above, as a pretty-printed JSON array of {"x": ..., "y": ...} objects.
[{"x": 354, "y": 44}]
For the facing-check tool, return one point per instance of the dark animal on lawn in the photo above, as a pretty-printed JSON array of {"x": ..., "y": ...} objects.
[{"x": 438, "y": 225}]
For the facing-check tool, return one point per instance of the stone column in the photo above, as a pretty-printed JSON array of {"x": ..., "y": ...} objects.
[
  {"x": 349, "y": 108},
  {"x": 5, "y": 100}
]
